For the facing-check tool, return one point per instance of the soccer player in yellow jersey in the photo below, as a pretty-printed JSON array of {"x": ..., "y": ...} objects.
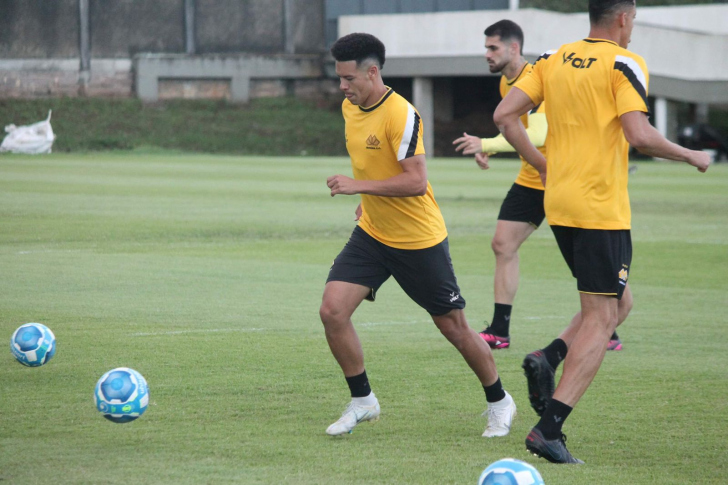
[
  {"x": 522, "y": 210},
  {"x": 596, "y": 103},
  {"x": 401, "y": 233}
]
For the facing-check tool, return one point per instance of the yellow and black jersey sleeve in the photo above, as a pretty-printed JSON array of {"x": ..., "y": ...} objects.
[
  {"x": 532, "y": 84},
  {"x": 630, "y": 84},
  {"x": 405, "y": 132}
]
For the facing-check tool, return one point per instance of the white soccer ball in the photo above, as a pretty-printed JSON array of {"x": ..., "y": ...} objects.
[
  {"x": 33, "y": 344},
  {"x": 121, "y": 395},
  {"x": 509, "y": 471}
]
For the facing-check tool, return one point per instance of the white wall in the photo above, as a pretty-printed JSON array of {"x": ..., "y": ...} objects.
[
  {"x": 711, "y": 19},
  {"x": 670, "y": 53}
]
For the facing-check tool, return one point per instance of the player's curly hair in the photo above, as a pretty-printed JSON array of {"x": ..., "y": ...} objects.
[
  {"x": 359, "y": 47},
  {"x": 507, "y": 30},
  {"x": 600, "y": 10}
]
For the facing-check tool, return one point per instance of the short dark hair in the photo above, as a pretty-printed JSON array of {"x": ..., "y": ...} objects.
[
  {"x": 358, "y": 47},
  {"x": 600, "y": 10},
  {"x": 507, "y": 30}
]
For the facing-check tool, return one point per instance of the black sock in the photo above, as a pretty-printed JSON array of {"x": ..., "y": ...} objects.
[
  {"x": 614, "y": 336},
  {"x": 359, "y": 385},
  {"x": 494, "y": 392},
  {"x": 501, "y": 319},
  {"x": 555, "y": 352},
  {"x": 553, "y": 419}
]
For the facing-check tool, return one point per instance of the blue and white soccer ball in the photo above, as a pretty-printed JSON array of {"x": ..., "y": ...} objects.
[
  {"x": 33, "y": 344},
  {"x": 509, "y": 471},
  {"x": 122, "y": 395}
]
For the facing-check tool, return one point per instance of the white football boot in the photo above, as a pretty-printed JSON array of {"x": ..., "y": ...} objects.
[
  {"x": 354, "y": 414},
  {"x": 500, "y": 415}
]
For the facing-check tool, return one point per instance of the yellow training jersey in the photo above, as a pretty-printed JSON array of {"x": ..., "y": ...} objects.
[
  {"x": 527, "y": 176},
  {"x": 588, "y": 85},
  {"x": 377, "y": 139}
]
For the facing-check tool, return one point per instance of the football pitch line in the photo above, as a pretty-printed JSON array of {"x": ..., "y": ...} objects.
[
  {"x": 207, "y": 330},
  {"x": 256, "y": 329}
]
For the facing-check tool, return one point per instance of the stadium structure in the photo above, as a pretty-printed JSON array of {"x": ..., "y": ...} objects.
[{"x": 241, "y": 49}]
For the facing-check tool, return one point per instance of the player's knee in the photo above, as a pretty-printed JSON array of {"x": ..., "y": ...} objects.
[
  {"x": 453, "y": 336},
  {"x": 329, "y": 313},
  {"x": 453, "y": 329},
  {"x": 502, "y": 247}
]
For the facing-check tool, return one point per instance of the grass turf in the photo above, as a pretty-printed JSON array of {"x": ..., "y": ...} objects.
[
  {"x": 265, "y": 126},
  {"x": 205, "y": 274}
]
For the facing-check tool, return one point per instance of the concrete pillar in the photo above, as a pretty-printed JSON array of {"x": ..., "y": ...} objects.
[
  {"x": 665, "y": 118},
  {"x": 289, "y": 20},
  {"x": 513, "y": 4},
  {"x": 701, "y": 112},
  {"x": 84, "y": 48},
  {"x": 424, "y": 102},
  {"x": 190, "y": 47},
  {"x": 240, "y": 88}
]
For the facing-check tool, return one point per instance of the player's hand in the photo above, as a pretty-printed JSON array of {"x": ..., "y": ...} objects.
[
  {"x": 543, "y": 178},
  {"x": 468, "y": 144},
  {"x": 482, "y": 160},
  {"x": 341, "y": 184},
  {"x": 700, "y": 160},
  {"x": 357, "y": 212}
]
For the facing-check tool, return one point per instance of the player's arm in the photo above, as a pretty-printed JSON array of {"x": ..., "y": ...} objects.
[
  {"x": 410, "y": 183},
  {"x": 536, "y": 131},
  {"x": 644, "y": 137},
  {"x": 507, "y": 118}
]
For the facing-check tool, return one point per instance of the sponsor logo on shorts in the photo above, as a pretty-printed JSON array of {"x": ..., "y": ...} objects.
[
  {"x": 623, "y": 275},
  {"x": 454, "y": 296}
]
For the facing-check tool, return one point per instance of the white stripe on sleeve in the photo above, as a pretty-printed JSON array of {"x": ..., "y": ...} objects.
[
  {"x": 635, "y": 68},
  {"x": 409, "y": 131}
]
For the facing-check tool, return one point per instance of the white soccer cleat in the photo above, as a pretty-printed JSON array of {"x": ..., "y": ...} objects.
[
  {"x": 353, "y": 415},
  {"x": 500, "y": 416}
]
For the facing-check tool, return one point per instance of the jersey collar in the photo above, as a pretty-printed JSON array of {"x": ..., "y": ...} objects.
[
  {"x": 523, "y": 69},
  {"x": 596, "y": 41},
  {"x": 378, "y": 103}
]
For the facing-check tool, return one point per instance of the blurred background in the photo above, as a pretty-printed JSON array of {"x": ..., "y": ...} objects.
[{"x": 256, "y": 77}]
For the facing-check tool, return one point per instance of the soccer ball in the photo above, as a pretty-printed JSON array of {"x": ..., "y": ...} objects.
[
  {"x": 33, "y": 344},
  {"x": 121, "y": 395},
  {"x": 510, "y": 472}
]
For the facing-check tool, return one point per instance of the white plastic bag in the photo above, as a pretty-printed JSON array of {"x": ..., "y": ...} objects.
[{"x": 31, "y": 139}]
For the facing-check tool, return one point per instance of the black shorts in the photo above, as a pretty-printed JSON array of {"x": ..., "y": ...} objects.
[
  {"x": 599, "y": 259},
  {"x": 523, "y": 204},
  {"x": 426, "y": 275}
]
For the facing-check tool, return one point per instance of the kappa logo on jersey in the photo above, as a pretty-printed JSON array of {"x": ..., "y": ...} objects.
[
  {"x": 578, "y": 62},
  {"x": 373, "y": 142}
]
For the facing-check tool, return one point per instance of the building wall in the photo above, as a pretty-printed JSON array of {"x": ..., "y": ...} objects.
[
  {"x": 39, "y": 39},
  {"x": 38, "y": 29},
  {"x": 121, "y": 28},
  {"x": 337, "y": 8}
]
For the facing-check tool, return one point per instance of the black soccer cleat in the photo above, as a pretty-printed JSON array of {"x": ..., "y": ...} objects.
[
  {"x": 553, "y": 450},
  {"x": 540, "y": 377}
]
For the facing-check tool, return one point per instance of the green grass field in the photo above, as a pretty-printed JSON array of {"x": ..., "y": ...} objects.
[{"x": 205, "y": 274}]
